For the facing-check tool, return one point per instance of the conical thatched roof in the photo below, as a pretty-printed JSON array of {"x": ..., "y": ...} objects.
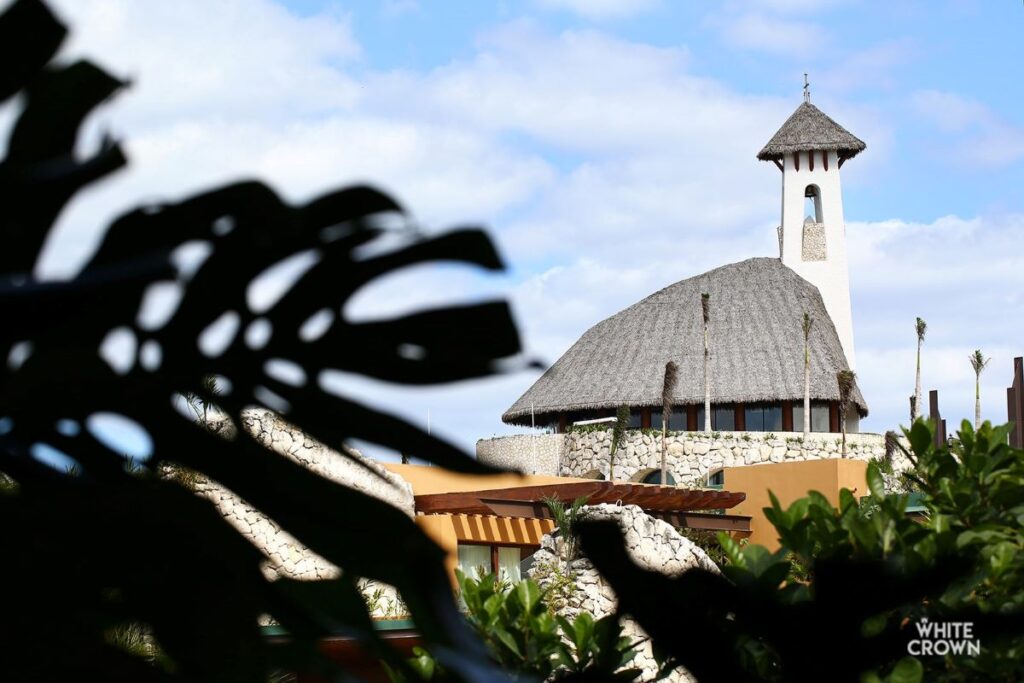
[
  {"x": 810, "y": 129},
  {"x": 756, "y": 335}
]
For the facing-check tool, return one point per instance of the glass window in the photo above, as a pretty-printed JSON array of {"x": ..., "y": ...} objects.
[
  {"x": 717, "y": 479},
  {"x": 723, "y": 418},
  {"x": 753, "y": 417},
  {"x": 676, "y": 421},
  {"x": 819, "y": 417},
  {"x": 508, "y": 564},
  {"x": 763, "y": 418},
  {"x": 474, "y": 560},
  {"x": 700, "y": 419},
  {"x": 654, "y": 477}
]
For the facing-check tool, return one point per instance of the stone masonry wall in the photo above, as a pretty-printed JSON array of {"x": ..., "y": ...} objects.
[
  {"x": 651, "y": 543},
  {"x": 286, "y": 557},
  {"x": 526, "y": 453},
  {"x": 691, "y": 456}
]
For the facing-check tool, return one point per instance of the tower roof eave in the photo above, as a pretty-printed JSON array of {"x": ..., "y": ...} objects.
[{"x": 808, "y": 129}]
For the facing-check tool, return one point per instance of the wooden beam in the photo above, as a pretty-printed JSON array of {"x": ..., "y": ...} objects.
[
  {"x": 787, "y": 416},
  {"x": 824, "y": 159},
  {"x": 704, "y": 520},
  {"x": 810, "y": 160},
  {"x": 796, "y": 161},
  {"x": 779, "y": 164}
]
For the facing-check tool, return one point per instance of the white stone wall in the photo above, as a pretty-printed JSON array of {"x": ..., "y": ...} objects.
[
  {"x": 651, "y": 543},
  {"x": 691, "y": 456},
  {"x": 526, "y": 453},
  {"x": 286, "y": 557}
]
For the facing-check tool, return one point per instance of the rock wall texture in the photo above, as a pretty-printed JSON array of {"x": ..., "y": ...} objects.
[
  {"x": 526, "y": 453},
  {"x": 691, "y": 456},
  {"x": 575, "y": 586},
  {"x": 286, "y": 557}
]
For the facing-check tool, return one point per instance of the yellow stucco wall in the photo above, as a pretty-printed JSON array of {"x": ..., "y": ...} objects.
[
  {"x": 425, "y": 479},
  {"x": 447, "y": 530},
  {"x": 790, "y": 481}
]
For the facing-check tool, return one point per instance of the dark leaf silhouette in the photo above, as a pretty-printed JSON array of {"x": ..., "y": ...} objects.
[{"x": 107, "y": 543}]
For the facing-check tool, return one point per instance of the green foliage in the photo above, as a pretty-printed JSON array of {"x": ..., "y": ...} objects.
[
  {"x": 975, "y": 497},
  {"x": 113, "y": 542},
  {"x": 566, "y": 518},
  {"x": 707, "y": 541},
  {"x": 842, "y": 597},
  {"x": 529, "y": 642}
]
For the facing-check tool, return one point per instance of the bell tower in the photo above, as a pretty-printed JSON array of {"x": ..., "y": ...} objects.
[{"x": 809, "y": 149}]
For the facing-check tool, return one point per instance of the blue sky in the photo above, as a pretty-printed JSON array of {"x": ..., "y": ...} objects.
[{"x": 610, "y": 148}]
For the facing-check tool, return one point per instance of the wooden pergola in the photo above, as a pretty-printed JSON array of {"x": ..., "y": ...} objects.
[{"x": 677, "y": 506}]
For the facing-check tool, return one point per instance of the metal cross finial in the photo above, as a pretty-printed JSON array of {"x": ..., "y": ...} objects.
[{"x": 807, "y": 89}]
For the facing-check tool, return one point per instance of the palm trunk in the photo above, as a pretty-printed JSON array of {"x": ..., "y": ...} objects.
[
  {"x": 664, "y": 449},
  {"x": 977, "y": 402},
  {"x": 807, "y": 392},
  {"x": 842, "y": 426},
  {"x": 916, "y": 407},
  {"x": 707, "y": 383}
]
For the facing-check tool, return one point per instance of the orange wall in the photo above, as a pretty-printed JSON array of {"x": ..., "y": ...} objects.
[
  {"x": 425, "y": 479},
  {"x": 447, "y": 530},
  {"x": 790, "y": 481}
]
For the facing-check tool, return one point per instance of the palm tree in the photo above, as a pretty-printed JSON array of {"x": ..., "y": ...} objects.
[
  {"x": 668, "y": 387},
  {"x": 920, "y": 326},
  {"x": 978, "y": 362},
  {"x": 618, "y": 433},
  {"x": 201, "y": 401},
  {"x": 808, "y": 321},
  {"x": 705, "y": 309},
  {"x": 565, "y": 518},
  {"x": 847, "y": 380}
]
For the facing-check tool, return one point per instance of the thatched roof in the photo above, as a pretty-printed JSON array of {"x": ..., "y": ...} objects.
[
  {"x": 810, "y": 129},
  {"x": 756, "y": 336}
]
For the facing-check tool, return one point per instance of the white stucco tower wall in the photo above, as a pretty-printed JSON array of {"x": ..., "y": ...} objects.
[{"x": 816, "y": 250}]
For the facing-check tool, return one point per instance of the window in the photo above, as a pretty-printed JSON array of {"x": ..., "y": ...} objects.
[
  {"x": 475, "y": 560},
  {"x": 676, "y": 421},
  {"x": 716, "y": 479},
  {"x": 634, "y": 419},
  {"x": 819, "y": 416},
  {"x": 723, "y": 418},
  {"x": 654, "y": 477},
  {"x": 508, "y": 564},
  {"x": 763, "y": 418}
]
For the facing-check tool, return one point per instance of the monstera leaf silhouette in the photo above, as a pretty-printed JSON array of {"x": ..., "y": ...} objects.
[{"x": 106, "y": 544}]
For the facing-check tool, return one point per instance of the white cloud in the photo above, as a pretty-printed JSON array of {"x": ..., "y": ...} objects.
[
  {"x": 963, "y": 277},
  {"x": 977, "y": 135},
  {"x": 755, "y": 30},
  {"x": 601, "y": 9},
  {"x": 606, "y": 168}
]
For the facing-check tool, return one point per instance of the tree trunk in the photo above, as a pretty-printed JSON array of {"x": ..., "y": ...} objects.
[
  {"x": 707, "y": 383},
  {"x": 807, "y": 392},
  {"x": 842, "y": 426},
  {"x": 916, "y": 408},
  {"x": 977, "y": 402},
  {"x": 664, "y": 448}
]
